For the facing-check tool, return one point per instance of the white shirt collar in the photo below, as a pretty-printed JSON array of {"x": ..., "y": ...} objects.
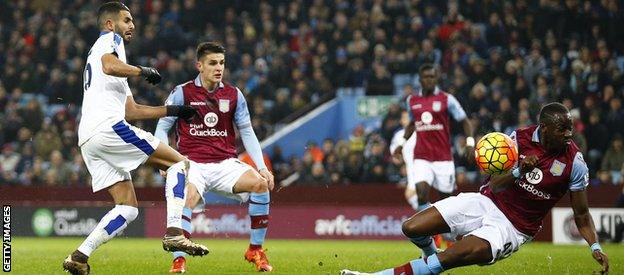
[{"x": 536, "y": 135}]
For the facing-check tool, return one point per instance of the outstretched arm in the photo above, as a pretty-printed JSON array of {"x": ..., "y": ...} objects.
[
  {"x": 585, "y": 225},
  {"x": 135, "y": 111},
  {"x": 500, "y": 182},
  {"x": 250, "y": 141},
  {"x": 470, "y": 141},
  {"x": 111, "y": 65}
]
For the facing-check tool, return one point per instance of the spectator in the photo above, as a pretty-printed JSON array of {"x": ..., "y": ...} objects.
[
  {"x": 553, "y": 50},
  {"x": 597, "y": 137},
  {"x": 9, "y": 161},
  {"x": 46, "y": 141},
  {"x": 379, "y": 82},
  {"x": 60, "y": 168},
  {"x": 613, "y": 162}
]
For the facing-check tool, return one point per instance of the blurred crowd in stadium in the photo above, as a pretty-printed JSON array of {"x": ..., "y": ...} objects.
[{"x": 501, "y": 59}]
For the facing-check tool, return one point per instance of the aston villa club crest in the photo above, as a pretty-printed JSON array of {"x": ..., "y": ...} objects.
[
  {"x": 557, "y": 168},
  {"x": 224, "y": 105},
  {"x": 437, "y": 106}
]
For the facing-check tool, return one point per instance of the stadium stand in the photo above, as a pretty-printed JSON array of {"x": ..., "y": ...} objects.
[{"x": 501, "y": 59}]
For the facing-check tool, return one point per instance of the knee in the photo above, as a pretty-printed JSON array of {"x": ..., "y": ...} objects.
[
  {"x": 410, "y": 228},
  {"x": 133, "y": 214},
  {"x": 192, "y": 197},
  {"x": 130, "y": 213},
  {"x": 176, "y": 167},
  {"x": 409, "y": 193},
  {"x": 261, "y": 185}
]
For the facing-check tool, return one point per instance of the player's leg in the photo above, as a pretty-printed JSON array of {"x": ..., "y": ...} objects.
[
  {"x": 408, "y": 159},
  {"x": 193, "y": 197},
  {"x": 411, "y": 197},
  {"x": 423, "y": 175},
  {"x": 465, "y": 214},
  {"x": 444, "y": 183},
  {"x": 420, "y": 227},
  {"x": 422, "y": 193},
  {"x": 116, "y": 220},
  {"x": 179, "y": 257},
  {"x": 99, "y": 153},
  {"x": 468, "y": 251},
  {"x": 235, "y": 179},
  {"x": 176, "y": 190},
  {"x": 177, "y": 167},
  {"x": 259, "y": 200},
  {"x": 251, "y": 181}
]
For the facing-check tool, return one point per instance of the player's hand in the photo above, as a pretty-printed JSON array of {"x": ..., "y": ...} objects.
[
  {"x": 182, "y": 111},
  {"x": 527, "y": 164},
  {"x": 602, "y": 259},
  {"x": 150, "y": 74},
  {"x": 398, "y": 151},
  {"x": 267, "y": 175}
]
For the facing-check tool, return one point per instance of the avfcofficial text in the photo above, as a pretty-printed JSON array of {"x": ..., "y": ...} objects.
[
  {"x": 6, "y": 238},
  {"x": 367, "y": 225}
]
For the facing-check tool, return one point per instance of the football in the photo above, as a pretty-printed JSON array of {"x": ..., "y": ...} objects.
[{"x": 496, "y": 153}]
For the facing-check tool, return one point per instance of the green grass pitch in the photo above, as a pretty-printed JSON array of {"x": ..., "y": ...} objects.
[{"x": 145, "y": 256}]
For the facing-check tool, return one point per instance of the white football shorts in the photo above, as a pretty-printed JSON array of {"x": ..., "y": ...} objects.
[
  {"x": 438, "y": 174},
  {"x": 475, "y": 214},
  {"x": 219, "y": 177},
  {"x": 408, "y": 158},
  {"x": 113, "y": 153}
]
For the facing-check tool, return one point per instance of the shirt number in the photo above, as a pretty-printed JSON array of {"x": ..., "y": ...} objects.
[{"x": 87, "y": 76}]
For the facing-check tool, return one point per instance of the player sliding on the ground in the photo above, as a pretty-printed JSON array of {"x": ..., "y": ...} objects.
[
  {"x": 210, "y": 140},
  {"x": 111, "y": 147},
  {"x": 509, "y": 210}
]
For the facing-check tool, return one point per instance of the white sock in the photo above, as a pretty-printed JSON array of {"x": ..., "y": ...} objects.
[
  {"x": 116, "y": 220},
  {"x": 413, "y": 201},
  {"x": 175, "y": 193}
]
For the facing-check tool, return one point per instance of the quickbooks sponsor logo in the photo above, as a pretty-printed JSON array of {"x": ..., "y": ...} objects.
[
  {"x": 69, "y": 223},
  {"x": 208, "y": 133},
  {"x": 43, "y": 222},
  {"x": 63, "y": 222},
  {"x": 367, "y": 225}
]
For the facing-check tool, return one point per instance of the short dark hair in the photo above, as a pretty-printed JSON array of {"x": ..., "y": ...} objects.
[
  {"x": 426, "y": 67},
  {"x": 109, "y": 8},
  {"x": 549, "y": 111},
  {"x": 206, "y": 48}
]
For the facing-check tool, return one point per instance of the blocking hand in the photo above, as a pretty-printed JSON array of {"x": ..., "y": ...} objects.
[
  {"x": 182, "y": 111},
  {"x": 150, "y": 74},
  {"x": 602, "y": 259},
  {"x": 527, "y": 164},
  {"x": 267, "y": 175}
]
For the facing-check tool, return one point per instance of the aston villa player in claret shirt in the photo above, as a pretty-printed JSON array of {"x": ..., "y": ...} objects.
[
  {"x": 508, "y": 211},
  {"x": 430, "y": 110},
  {"x": 210, "y": 141}
]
